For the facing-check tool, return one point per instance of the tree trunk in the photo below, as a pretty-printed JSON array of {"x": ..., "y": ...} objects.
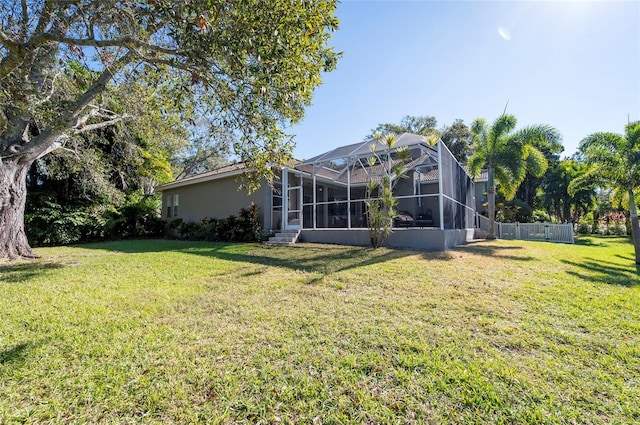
[
  {"x": 558, "y": 211},
  {"x": 13, "y": 197},
  {"x": 635, "y": 228},
  {"x": 491, "y": 200}
]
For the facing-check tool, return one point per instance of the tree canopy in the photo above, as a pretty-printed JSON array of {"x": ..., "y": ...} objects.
[
  {"x": 250, "y": 66},
  {"x": 424, "y": 125},
  {"x": 459, "y": 140}
]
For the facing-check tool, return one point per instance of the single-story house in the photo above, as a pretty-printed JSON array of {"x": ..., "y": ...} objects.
[{"x": 324, "y": 197}]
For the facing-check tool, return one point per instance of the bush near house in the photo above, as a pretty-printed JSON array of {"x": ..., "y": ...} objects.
[
  {"x": 50, "y": 223},
  {"x": 244, "y": 227}
]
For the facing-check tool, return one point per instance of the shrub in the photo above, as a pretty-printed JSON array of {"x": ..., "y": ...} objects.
[
  {"x": 540, "y": 216},
  {"x": 617, "y": 228},
  {"x": 47, "y": 222},
  {"x": 583, "y": 228},
  {"x": 137, "y": 218},
  {"x": 244, "y": 227}
]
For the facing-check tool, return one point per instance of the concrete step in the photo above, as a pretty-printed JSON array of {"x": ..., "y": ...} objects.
[
  {"x": 289, "y": 232},
  {"x": 286, "y": 237}
]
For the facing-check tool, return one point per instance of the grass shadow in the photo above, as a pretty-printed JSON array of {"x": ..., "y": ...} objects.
[
  {"x": 599, "y": 271},
  {"x": 312, "y": 258},
  {"x": 626, "y": 257},
  {"x": 308, "y": 258},
  {"x": 16, "y": 353},
  {"x": 590, "y": 242},
  {"x": 491, "y": 250},
  {"x": 20, "y": 272},
  {"x": 138, "y": 246}
]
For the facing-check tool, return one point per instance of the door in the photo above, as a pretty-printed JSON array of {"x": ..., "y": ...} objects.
[{"x": 294, "y": 208}]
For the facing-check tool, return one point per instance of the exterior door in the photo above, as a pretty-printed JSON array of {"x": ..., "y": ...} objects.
[{"x": 294, "y": 208}]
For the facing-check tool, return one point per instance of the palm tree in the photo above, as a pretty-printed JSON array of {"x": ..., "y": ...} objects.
[
  {"x": 564, "y": 204},
  {"x": 615, "y": 161},
  {"x": 507, "y": 155}
]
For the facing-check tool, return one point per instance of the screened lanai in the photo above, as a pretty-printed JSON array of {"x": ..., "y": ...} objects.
[{"x": 329, "y": 191}]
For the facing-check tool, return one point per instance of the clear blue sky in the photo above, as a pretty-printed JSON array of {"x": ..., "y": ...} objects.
[{"x": 574, "y": 65}]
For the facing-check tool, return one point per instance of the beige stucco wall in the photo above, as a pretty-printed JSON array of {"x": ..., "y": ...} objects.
[{"x": 217, "y": 199}]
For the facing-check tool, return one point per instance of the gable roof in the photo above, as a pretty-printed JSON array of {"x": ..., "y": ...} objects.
[{"x": 218, "y": 173}]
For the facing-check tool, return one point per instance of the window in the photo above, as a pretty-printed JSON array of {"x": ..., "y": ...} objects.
[
  {"x": 176, "y": 202},
  {"x": 172, "y": 205}
]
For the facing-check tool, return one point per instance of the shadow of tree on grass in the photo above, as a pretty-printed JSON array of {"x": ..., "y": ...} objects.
[
  {"x": 308, "y": 258},
  {"x": 491, "y": 250},
  {"x": 590, "y": 242},
  {"x": 311, "y": 258},
  {"x": 23, "y": 271},
  {"x": 15, "y": 353},
  {"x": 599, "y": 271}
]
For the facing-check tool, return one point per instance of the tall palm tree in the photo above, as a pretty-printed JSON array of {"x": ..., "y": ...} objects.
[
  {"x": 507, "y": 155},
  {"x": 615, "y": 161}
]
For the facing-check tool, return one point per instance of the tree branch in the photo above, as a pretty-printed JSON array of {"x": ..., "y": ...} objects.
[
  {"x": 51, "y": 91},
  {"x": 25, "y": 18},
  {"x": 6, "y": 40},
  {"x": 13, "y": 60},
  {"x": 45, "y": 17},
  {"x": 42, "y": 142},
  {"x": 102, "y": 124},
  {"x": 120, "y": 42}
]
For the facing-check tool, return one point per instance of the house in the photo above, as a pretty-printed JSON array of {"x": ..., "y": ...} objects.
[{"x": 324, "y": 197}]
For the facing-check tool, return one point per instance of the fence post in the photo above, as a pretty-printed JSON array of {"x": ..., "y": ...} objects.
[
  {"x": 517, "y": 230},
  {"x": 546, "y": 232}
]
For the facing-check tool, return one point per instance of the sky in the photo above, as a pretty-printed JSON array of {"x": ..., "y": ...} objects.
[{"x": 574, "y": 65}]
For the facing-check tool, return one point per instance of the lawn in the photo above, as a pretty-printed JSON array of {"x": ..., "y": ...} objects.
[{"x": 182, "y": 332}]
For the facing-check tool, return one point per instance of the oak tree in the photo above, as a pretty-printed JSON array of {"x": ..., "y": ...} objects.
[{"x": 251, "y": 65}]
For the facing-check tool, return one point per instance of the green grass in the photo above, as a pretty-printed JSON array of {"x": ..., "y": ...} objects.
[{"x": 176, "y": 332}]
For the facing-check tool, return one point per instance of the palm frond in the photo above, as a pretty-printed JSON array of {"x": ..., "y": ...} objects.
[
  {"x": 590, "y": 178},
  {"x": 479, "y": 133},
  {"x": 500, "y": 130},
  {"x": 507, "y": 182},
  {"x": 476, "y": 162},
  {"x": 536, "y": 162},
  {"x": 632, "y": 131},
  {"x": 529, "y": 135},
  {"x": 611, "y": 141}
]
